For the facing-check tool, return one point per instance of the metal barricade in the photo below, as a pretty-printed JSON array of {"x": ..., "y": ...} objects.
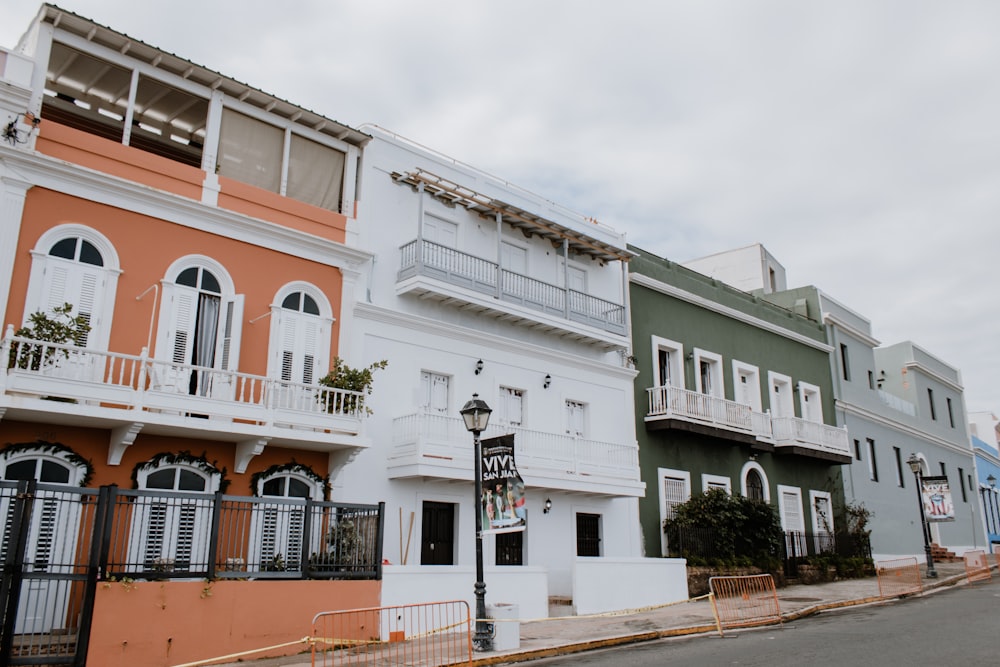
[
  {"x": 430, "y": 635},
  {"x": 977, "y": 567},
  {"x": 898, "y": 577},
  {"x": 744, "y": 601}
]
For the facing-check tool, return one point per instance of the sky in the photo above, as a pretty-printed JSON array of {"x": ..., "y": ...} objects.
[{"x": 856, "y": 140}]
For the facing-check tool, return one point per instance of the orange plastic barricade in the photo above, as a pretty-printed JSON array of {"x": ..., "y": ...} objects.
[
  {"x": 431, "y": 634},
  {"x": 740, "y": 602},
  {"x": 898, "y": 577},
  {"x": 977, "y": 568},
  {"x": 996, "y": 553}
]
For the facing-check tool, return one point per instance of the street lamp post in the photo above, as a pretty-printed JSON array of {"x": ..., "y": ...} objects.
[
  {"x": 477, "y": 415},
  {"x": 914, "y": 463}
]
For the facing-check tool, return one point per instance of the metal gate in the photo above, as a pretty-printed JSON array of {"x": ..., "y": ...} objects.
[{"x": 50, "y": 548}]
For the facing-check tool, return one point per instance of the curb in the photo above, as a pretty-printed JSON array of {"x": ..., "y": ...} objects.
[{"x": 621, "y": 640}]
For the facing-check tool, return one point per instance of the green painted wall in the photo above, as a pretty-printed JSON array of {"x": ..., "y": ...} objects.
[{"x": 655, "y": 313}]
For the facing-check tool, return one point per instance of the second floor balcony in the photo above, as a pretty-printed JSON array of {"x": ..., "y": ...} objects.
[
  {"x": 507, "y": 294},
  {"x": 62, "y": 383},
  {"x": 673, "y": 407},
  {"x": 439, "y": 446}
]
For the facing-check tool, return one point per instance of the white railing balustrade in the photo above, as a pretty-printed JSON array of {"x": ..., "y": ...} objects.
[
  {"x": 805, "y": 433},
  {"x": 428, "y": 258},
  {"x": 446, "y": 437},
  {"x": 45, "y": 369},
  {"x": 674, "y": 402}
]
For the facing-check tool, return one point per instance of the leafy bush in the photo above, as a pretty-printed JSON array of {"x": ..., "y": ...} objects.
[
  {"x": 342, "y": 376},
  {"x": 716, "y": 526},
  {"x": 61, "y": 327}
]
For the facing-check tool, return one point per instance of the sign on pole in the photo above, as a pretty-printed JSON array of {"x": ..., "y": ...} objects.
[
  {"x": 936, "y": 495},
  {"x": 502, "y": 503}
]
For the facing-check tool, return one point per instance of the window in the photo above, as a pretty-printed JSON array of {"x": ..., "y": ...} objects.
[
  {"x": 434, "y": 392},
  {"x": 588, "y": 534},
  {"x": 708, "y": 378},
  {"x": 439, "y": 231},
  {"x": 674, "y": 489},
  {"x": 790, "y": 511},
  {"x": 898, "y": 455},
  {"x": 200, "y": 325},
  {"x": 930, "y": 401},
  {"x": 872, "y": 463},
  {"x": 277, "y": 527},
  {"x": 172, "y": 526},
  {"x": 709, "y": 482},
  {"x": 747, "y": 385},
  {"x": 300, "y": 335},
  {"x": 576, "y": 417},
  {"x": 437, "y": 534},
  {"x": 754, "y": 484},
  {"x": 961, "y": 483},
  {"x": 781, "y": 395},
  {"x": 810, "y": 402},
  {"x": 951, "y": 414},
  {"x": 944, "y": 470},
  {"x": 857, "y": 450},
  {"x": 510, "y": 407},
  {"x": 823, "y": 540},
  {"x": 668, "y": 360},
  {"x": 871, "y": 380},
  {"x": 845, "y": 367},
  {"x": 514, "y": 258},
  {"x": 510, "y": 548},
  {"x": 77, "y": 265},
  {"x": 576, "y": 279}
]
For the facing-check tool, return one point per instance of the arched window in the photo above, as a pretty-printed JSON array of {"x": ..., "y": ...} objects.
[
  {"x": 200, "y": 326},
  {"x": 278, "y": 526},
  {"x": 77, "y": 265},
  {"x": 171, "y": 523},
  {"x": 753, "y": 482},
  {"x": 300, "y": 334},
  {"x": 755, "y": 485}
]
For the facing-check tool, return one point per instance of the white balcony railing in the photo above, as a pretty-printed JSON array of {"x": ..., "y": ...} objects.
[
  {"x": 793, "y": 431},
  {"x": 475, "y": 273},
  {"x": 137, "y": 382},
  {"x": 431, "y": 439},
  {"x": 691, "y": 406},
  {"x": 676, "y": 403}
]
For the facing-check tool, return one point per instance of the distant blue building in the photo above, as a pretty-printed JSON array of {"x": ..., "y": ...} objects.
[{"x": 988, "y": 476}]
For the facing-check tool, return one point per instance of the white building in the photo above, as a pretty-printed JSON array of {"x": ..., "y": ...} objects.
[{"x": 479, "y": 287}]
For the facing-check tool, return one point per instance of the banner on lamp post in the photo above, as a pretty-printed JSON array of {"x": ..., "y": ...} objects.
[
  {"x": 936, "y": 495},
  {"x": 502, "y": 503}
]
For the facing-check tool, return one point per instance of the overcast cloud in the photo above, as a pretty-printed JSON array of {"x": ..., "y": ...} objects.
[{"x": 858, "y": 141}]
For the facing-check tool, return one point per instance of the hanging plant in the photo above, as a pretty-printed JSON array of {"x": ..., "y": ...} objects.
[
  {"x": 184, "y": 458},
  {"x": 342, "y": 376},
  {"x": 291, "y": 467},
  {"x": 59, "y": 450}
]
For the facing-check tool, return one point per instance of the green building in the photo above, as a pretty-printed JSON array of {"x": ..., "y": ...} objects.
[{"x": 732, "y": 392}]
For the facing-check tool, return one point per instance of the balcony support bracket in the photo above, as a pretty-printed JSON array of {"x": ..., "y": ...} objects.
[
  {"x": 246, "y": 450},
  {"x": 121, "y": 439}
]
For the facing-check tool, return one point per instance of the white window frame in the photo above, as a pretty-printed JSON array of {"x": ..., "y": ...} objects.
[
  {"x": 507, "y": 250},
  {"x": 709, "y": 482},
  {"x": 784, "y": 406},
  {"x": 661, "y": 475},
  {"x": 676, "y": 361},
  {"x": 278, "y": 517},
  {"x": 741, "y": 369},
  {"x": 281, "y": 318},
  {"x": 572, "y": 408},
  {"x": 817, "y": 527},
  {"x": 715, "y": 371},
  {"x": 428, "y": 404},
  {"x": 810, "y": 402},
  {"x": 437, "y": 222},
  {"x": 507, "y": 399},
  {"x": 747, "y": 467},
  {"x": 797, "y": 543}
]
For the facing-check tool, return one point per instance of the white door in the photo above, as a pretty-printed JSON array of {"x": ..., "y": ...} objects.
[
  {"x": 792, "y": 522},
  {"x": 511, "y": 406}
]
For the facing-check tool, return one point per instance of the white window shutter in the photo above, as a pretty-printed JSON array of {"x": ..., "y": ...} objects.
[{"x": 227, "y": 343}]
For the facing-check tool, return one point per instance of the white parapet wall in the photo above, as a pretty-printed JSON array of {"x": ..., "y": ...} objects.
[
  {"x": 613, "y": 584},
  {"x": 526, "y": 587}
]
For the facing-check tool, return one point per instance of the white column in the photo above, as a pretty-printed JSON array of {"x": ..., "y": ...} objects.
[{"x": 11, "y": 211}]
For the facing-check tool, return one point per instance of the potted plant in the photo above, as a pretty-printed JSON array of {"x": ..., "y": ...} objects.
[
  {"x": 342, "y": 376},
  {"x": 61, "y": 328}
]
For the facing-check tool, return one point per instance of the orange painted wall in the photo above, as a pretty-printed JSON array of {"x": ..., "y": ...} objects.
[
  {"x": 117, "y": 159},
  {"x": 146, "y": 246},
  {"x": 156, "y": 624},
  {"x": 92, "y": 444}
]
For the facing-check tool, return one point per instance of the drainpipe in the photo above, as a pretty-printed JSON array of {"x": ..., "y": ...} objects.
[{"x": 499, "y": 255}]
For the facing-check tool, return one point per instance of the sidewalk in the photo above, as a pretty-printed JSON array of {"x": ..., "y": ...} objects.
[{"x": 565, "y": 634}]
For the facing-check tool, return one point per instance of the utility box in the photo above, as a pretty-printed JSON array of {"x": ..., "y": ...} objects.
[{"x": 507, "y": 628}]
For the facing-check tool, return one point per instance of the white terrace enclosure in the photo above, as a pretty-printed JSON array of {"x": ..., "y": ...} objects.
[{"x": 480, "y": 287}]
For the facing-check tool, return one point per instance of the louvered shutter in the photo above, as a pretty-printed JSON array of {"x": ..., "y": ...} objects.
[
  {"x": 674, "y": 493},
  {"x": 81, "y": 285},
  {"x": 227, "y": 349}
]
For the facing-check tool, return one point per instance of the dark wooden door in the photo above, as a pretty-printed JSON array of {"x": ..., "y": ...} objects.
[{"x": 437, "y": 546}]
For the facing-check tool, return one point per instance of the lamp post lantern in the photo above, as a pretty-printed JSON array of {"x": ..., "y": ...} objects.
[
  {"x": 914, "y": 463},
  {"x": 477, "y": 415}
]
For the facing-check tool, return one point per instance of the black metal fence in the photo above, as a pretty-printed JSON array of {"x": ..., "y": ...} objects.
[{"x": 59, "y": 541}]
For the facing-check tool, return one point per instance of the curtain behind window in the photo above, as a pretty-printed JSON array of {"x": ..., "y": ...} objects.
[
  {"x": 250, "y": 151},
  {"x": 315, "y": 173}
]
